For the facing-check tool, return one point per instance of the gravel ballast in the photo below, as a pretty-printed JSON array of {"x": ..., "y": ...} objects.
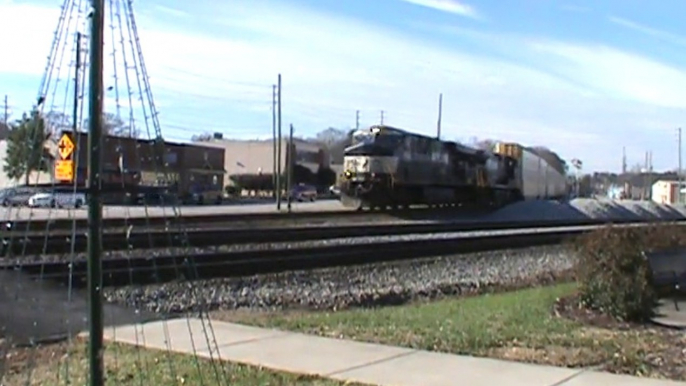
[
  {"x": 393, "y": 283},
  {"x": 587, "y": 208},
  {"x": 356, "y": 286},
  {"x": 577, "y": 209}
]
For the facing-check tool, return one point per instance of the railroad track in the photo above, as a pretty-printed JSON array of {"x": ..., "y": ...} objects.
[
  {"x": 18, "y": 245},
  {"x": 185, "y": 221},
  {"x": 145, "y": 270}
]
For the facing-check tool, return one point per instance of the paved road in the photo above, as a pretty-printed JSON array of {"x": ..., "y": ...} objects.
[
  {"x": 41, "y": 311},
  {"x": 139, "y": 211},
  {"x": 671, "y": 314}
]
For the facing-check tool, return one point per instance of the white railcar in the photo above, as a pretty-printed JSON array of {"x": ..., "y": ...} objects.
[
  {"x": 536, "y": 178},
  {"x": 539, "y": 180}
]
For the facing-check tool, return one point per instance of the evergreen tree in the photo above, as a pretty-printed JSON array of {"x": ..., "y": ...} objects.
[{"x": 25, "y": 147}]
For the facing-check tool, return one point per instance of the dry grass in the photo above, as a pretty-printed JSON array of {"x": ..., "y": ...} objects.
[
  {"x": 65, "y": 364},
  {"x": 520, "y": 325}
]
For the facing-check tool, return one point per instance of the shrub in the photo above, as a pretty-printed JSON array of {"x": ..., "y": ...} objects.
[{"x": 613, "y": 274}]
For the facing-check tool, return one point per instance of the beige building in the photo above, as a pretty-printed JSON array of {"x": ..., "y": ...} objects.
[
  {"x": 666, "y": 192},
  {"x": 257, "y": 156}
]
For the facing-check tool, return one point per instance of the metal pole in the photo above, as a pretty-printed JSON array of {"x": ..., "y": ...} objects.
[
  {"x": 357, "y": 120},
  {"x": 75, "y": 112},
  {"x": 278, "y": 156},
  {"x": 95, "y": 110},
  {"x": 645, "y": 178},
  {"x": 382, "y": 117},
  {"x": 274, "y": 139},
  {"x": 679, "y": 178},
  {"x": 7, "y": 109},
  {"x": 289, "y": 170},
  {"x": 440, "y": 115}
]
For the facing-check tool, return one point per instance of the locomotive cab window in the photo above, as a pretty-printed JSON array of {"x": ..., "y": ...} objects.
[{"x": 374, "y": 141}]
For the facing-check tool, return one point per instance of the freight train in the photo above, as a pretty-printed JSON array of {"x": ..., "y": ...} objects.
[{"x": 390, "y": 167}]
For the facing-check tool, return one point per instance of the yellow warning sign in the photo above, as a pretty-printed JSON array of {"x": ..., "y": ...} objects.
[
  {"x": 64, "y": 170},
  {"x": 65, "y": 146}
]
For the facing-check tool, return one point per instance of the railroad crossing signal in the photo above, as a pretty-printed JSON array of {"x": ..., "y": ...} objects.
[
  {"x": 65, "y": 146},
  {"x": 64, "y": 167}
]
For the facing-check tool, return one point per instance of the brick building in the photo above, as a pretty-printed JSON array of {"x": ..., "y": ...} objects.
[{"x": 141, "y": 162}]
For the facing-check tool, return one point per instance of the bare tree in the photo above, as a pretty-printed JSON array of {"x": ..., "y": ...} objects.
[
  {"x": 56, "y": 122},
  {"x": 115, "y": 126},
  {"x": 331, "y": 136},
  {"x": 637, "y": 168},
  {"x": 482, "y": 144},
  {"x": 335, "y": 141}
]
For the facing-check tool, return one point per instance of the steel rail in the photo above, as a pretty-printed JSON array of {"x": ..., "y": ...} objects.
[
  {"x": 170, "y": 222},
  {"x": 142, "y": 270},
  {"x": 148, "y": 239}
]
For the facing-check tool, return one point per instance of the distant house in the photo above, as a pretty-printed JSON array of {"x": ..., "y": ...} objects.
[{"x": 666, "y": 192}]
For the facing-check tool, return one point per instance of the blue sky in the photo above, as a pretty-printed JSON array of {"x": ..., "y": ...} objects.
[{"x": 583, "y": 78}]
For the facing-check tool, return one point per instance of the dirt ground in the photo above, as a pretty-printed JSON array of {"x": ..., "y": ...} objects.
[{"x": 647, "y": 349}]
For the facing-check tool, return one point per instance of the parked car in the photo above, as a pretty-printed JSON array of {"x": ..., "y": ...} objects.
[
  {"x": 57, "y": 200},
  {"x": 204, "y": 194},
  {"x": 334, "y": 191},
  {"x": 303, "y": 192},
  {"x": 16, "y": 196}
]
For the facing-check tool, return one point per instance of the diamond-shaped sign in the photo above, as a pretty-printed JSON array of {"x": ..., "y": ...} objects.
[{"x": 65, "y": 146}]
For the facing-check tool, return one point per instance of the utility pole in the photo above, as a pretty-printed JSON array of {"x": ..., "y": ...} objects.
[
  {"x": 651, "y": 177},
  {"x": 278, "y": 156},
  {"x": 289, "y": 172},
  {"x": 274, "y": 184},
  {"x": 95, "y": 110},
  {"x": 679, "y": 173},
  {"x": 357, "y": 120},
  {"x": 75, "y": 112},
  {"x": 645, "y": 178},
  {"x": 382, "y": 114},
  {"x": 624, "y": 160},
  {"x": 7, "y": 110},
  {"x": 440, "y": 115}
]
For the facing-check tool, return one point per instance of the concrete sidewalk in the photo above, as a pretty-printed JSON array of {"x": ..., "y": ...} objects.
[{"x": 353, "y": 361}]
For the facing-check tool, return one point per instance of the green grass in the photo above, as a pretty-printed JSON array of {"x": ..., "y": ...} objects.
[
  {"x": 128, "y": 365},
  {"x": 517, "y": 325}
]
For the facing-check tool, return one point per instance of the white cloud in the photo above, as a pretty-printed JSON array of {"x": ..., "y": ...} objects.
[
  {"x": 654, "y": 32},
  {"x": 620, "y": 74},
  {"x": 575, "y": 8},
  {"x": 26, "y": 52},
  {"x": 451, "y": 6},
  {"x": 583, "y": 101}
]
